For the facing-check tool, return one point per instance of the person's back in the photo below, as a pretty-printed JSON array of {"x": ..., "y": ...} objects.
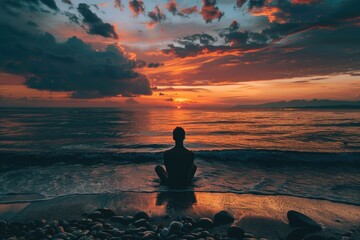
[{"x": 179, "y": 163}]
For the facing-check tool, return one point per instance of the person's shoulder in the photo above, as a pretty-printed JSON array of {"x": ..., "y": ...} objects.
[
  {"x": 168, "y": 152},
  {"x": 190, "y": 153}
]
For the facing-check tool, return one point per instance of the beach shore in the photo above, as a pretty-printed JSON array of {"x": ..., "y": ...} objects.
[{"x": 262, "y": 216}]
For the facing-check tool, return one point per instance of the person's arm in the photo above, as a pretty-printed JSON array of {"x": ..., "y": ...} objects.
[{"x": 165, "y": 160}]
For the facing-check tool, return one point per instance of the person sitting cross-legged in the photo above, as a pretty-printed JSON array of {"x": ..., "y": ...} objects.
[{"x": 179, "y": 163}]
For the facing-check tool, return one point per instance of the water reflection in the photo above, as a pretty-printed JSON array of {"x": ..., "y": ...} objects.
[{"x": 176, "y": 201}]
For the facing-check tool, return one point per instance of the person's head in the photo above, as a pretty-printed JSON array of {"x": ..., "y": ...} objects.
[{"x": 179, "y": 134}]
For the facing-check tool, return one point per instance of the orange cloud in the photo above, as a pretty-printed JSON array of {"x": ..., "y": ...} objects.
[
  {"x": 271, "y": 12},
  {"x": 305, "y": 1},
  {"x": 210, "y": 11}
]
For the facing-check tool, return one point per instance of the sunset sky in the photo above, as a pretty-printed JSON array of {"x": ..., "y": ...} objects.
[{"x": 188, "y": 54}]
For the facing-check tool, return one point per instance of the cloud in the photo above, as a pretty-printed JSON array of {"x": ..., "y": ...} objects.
[
  {"x": 240, "y": 3},
  {"x": 273, "y": 13},
  {"x": 210, "y": 11},
  {"x": 312, "y": 40},
  {"x": 188, "y": 11},
  {"x": 34, "y": 5},
  {"x": 155, "y": 65},
  {"x": 72, "y": 66},
  {"x": 67, "y": 2},
  {"x": 137, "y": 7},
  {"x": 257, "y": 3},
  {"x": 119, "y": 4},
  {"x": 156, "y": 16},
  {"x": 31, "y": 23},
  {"x": 173, "y": 8},
  {"x": 234, "y": 26},
  {"x": 94, "y": 24},
  {"x": 305, "y": 1}
]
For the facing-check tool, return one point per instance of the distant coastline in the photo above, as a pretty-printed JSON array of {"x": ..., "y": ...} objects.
[{"x": 304, "y": 104}]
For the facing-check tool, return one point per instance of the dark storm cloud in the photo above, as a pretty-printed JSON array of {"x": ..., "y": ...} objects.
[
  {"x": 34, "y": 5},
  {"x": 210, "y": 11},
  {"x": 137, "y": 7},
  {"x": 193, "y": 45},
  {"x": 317, "y": 38},
  {"x": 72, "y": 66},
  {"x": 256, "y": 3},
  {"x": 94, "y": 24},
  {"x": 300, "y": 19}
]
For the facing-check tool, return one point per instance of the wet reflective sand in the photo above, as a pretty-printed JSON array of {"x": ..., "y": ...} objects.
[{"x": 260, "y": 215}]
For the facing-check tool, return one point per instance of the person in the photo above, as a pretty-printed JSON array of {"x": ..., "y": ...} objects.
[{"x": 179, "y": 163}]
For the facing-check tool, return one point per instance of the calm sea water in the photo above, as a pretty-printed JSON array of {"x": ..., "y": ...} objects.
[
  {"x": 54, "y": 152},
  {"x": 112, "y": 130}
]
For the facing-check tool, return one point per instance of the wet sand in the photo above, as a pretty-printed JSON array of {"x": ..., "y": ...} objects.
[{"x": 262, "y": 216}]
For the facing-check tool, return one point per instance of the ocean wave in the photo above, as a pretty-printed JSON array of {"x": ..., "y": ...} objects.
[{"x": 238, "y": 155}]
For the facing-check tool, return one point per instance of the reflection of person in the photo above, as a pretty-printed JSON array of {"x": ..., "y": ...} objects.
[
  {"x": 178, "y": 201},
  {"x": 179, "y": 163}
]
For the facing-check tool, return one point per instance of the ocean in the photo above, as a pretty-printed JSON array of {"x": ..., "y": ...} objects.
[{"x": 62, "y": 151}]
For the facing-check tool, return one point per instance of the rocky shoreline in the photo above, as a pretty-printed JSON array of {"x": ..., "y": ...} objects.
[{"x": 104, "y": 224}]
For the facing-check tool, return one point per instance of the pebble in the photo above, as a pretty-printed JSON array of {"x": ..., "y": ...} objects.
[
  {"x": 296, "y": 234},
  {"x": 141, "y": 215},
  {"x": 97, "y": 226},
  {"x": 3, "y": 224},
  {"x": 223, "y": 217},
  {"x": 139, "y": 223},
  {"x": 206, "y": 223},
  {"x": 235, "y": 232},
  {"x": 175, "y": 226},
  {"x": 119, "y": 219},
  {"x": 164, "y": 232},
  {"x": 128, "y": 220},
  {"x": 297, "y": 219},
  {"x": 138, "y": 227},
  {"x": 314, "y": 237},
  {"x": 248, "y": 235},
  {"x": 94, "y": 215},
  {"x": 106, "y": 212}
]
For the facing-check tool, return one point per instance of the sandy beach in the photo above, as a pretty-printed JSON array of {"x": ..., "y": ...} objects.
[{"x": 262, "y": 216}]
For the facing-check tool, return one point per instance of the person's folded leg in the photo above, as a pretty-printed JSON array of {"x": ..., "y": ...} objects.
[{"x": 160, "y": 171}]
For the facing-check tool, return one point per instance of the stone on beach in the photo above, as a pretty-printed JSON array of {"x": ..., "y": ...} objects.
[
  {"x": 94, "y": 214},
  {"x": 223, "y": 217},
  {"x": 106, "y": 212},
  {"x": 296, "y": 234},
  {"x": 297, "y": 219},
  {"x": 235, "y": 232},
  {"x": 175, "y": 226},
  {"x": 141, "y": 215},
  {"x": 206, "y": 223}
]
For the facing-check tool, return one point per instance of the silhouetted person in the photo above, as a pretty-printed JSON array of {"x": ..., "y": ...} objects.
[{"x": 179, "y": 163}]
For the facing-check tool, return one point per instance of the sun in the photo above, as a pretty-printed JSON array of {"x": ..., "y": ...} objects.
[{"x": 178, "y": 107}]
